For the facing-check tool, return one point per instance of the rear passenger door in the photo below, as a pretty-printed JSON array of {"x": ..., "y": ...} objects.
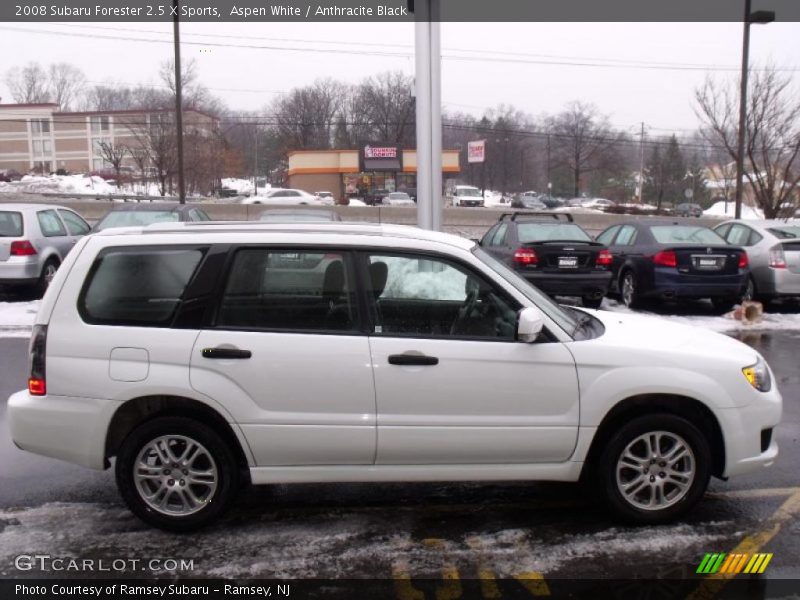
[
  {"x": 76, "y": 226},
  {"x": 285, "y": 351},
  {"x": 54, "y": 232}
]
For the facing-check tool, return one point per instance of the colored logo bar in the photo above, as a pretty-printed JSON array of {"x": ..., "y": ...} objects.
[{"x": 734, "y": 563}]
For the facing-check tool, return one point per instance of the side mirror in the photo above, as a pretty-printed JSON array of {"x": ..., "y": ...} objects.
[{"x": 529, "y": 324}]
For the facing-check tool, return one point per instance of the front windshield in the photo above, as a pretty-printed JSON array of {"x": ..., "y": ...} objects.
[
  {"x": 126, "y": 218},
  {"x": 468, "y": 192},
  {"x": 563, "y": 319},
  {"x": 685, "y": 234}
]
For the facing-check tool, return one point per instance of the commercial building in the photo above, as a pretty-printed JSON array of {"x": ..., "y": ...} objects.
[
  {"x": 39, "y": 138},
  {"x": 348, "y": 173}
]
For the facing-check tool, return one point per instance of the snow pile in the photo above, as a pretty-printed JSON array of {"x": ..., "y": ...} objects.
[
  {"x": 16, "y": 318},
  {"x": 63, "y": 184},
  {"x": 492, "y": 198},
  {"x": 410, "y": 278},
  {"x": 728, "y": 209},
  {"x": 243, "y": 187},
  {"x": 721, "y": 324}
]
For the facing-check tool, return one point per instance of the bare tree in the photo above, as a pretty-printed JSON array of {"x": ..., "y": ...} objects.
[
  {"x": 385, "y": 105},
  {"x": 65, "y": 83},
  {"x": 141, "y": 158},
  {"x": 114, "y": 154},
  {"x": 583, "y": 141},
  {"x": 772, "y": 133},
  {"x": 158, "y": 140},
  {"x": 28, "y": 85}
]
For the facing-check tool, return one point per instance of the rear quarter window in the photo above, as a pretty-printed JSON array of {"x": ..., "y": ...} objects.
[
  {"x": 10, "y": 224},
  {"x": 50, "y": 224},
  {"x": 136, "y": 286}
]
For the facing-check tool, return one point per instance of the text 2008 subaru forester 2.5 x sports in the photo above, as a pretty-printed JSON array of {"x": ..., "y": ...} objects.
[{"x": 197, "y": 355}]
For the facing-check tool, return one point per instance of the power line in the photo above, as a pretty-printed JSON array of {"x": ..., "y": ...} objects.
[{"x": 405, "y": 55}]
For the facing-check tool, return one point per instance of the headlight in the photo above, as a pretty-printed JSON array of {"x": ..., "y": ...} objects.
[{"x": 758, "y": 375}]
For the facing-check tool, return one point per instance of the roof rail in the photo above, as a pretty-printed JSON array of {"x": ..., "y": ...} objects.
[{"x": 557, "y": 216}]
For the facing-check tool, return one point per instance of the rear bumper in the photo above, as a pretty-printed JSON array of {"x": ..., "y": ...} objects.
[
  {"x": 68, "y": 428},
  {"x": 579, "y": 284},
  {"x": 19, "y": 270},
  {"x": 779, "y": 282},
  {"x": 668, "y": 283}
]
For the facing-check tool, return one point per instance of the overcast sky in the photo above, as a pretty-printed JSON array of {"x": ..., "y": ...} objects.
[{"x": 484, "y": 64}]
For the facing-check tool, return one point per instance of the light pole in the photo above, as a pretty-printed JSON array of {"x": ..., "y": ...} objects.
[{"x": 761, "y": 17}]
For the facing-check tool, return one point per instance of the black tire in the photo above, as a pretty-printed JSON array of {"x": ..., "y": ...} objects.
[
  {"x": 46, "y": 276},
  {"x": 633, "y": 298},
  {"x": 627, "y": 510},
  {"x": 213, "y": 506},
  {"x": 590, "y": 302},
  {"x": 749, "y": 291}
]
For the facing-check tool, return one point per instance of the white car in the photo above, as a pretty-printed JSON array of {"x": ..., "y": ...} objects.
[
  {"x": 325, "y": 197},
  {"x": 202, "y": 355},
  {"x": 467, "y": 195},
  {"x": 598, "y": 203},
  {"x": 398, "y": 199},
  {"x": 286, "y": 197}
]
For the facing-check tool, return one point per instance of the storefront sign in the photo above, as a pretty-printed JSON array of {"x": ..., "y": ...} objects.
[
  {"x": 377, "y": 157},
  {"x": 476, "y": 151}
]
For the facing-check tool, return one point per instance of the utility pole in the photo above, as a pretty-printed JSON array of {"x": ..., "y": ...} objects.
[
  {"x": 641, "y": 165},
  {"x": 178, "y": 100},
  {"x": 255, "y": 164},
  {"x": 549, "y": 179}
]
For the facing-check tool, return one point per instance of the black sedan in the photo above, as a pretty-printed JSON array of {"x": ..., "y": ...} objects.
[
  {"x": 672, "y": 261},
  {"x": 140, "y": 214},
  {"x": 553, "y": 253}
]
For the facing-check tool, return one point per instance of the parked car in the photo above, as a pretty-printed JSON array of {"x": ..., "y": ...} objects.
[
  {"x": 375, "y": 196},
  {"x": 552, "y": 201},
  {"x": 326, "y": 197},
  {"x": 306, "y": 215},
  {"x": 598, "y": 203},
  {"x": 669, "y": 260},
  {"x": 553, "y": 253},
  {"x": 226, "y": 192},
  {"x": 287, "y": 197},
  {"x": 574, "y": 202},
  {"x": 773, "y": 249},
  {"x": 183, "y": 353},
  {"x": 412, "y": 192},
  {"x": 528, "y": 202},
  {"x": 131, "y": 215},
  {"x": 466, "y": 195},
  {"x": 397, "y": 199},
  {"x": 34, "y": 239},
  {"x": 687, "y": 209}
]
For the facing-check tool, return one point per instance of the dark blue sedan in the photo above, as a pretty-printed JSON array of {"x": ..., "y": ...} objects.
[{"x": 673, "y": 261}]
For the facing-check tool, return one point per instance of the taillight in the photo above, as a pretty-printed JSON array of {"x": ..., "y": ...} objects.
[
  {"x": 22, "y": 248},
  {"x": 36, "y": 353},
  {"x": 525, "y": 257},
  {"x": 665, "y": 258},
  {"x": 777, "y": 259},
  {"x": 604, "y": 259},
  {"x": 743, "y": 261}
]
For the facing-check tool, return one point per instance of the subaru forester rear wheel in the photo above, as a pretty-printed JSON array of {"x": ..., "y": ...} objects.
[{"x": 176, "y": 473}]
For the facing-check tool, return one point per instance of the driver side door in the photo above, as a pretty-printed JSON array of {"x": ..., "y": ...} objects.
[{"x": 453, "y": 386}]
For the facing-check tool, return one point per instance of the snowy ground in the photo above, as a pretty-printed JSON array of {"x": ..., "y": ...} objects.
[
  {"x": 727, "y": 209},
  {"x": 16, "y": 318}
]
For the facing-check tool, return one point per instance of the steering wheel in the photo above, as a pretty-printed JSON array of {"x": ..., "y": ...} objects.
[{"x": 465, "y": 310}]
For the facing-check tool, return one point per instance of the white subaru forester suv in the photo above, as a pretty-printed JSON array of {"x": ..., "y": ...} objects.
[{"x": 204, "y": 355}]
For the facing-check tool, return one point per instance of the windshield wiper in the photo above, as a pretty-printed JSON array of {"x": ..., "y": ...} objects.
[{"x": 582, "y": 321}]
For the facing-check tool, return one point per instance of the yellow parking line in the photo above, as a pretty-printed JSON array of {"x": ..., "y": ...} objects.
[
  {"x": 713, "y": 584},
  {"x": 534, "y": 583}
]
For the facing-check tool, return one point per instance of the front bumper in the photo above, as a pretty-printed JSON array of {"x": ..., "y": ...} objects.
[
  {"x": 18, "y": 270},
  {"x": 741, "y": 430},
  {"x": 579, "y": 284},
  {"x": 68, "y": 428}
]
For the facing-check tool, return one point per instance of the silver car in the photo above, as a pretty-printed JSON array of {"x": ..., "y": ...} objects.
[
  {"x": 773, "y": 249},
  {"x": 34, "y": 239}
]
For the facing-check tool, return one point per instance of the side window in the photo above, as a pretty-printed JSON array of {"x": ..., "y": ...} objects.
[
  {"x": 199, "y": 215},
  {"x": 722, "y": 230},
  {"x": 421, "y": 296},
  {"x": 489, "y": 236},
  {"x": 626, "y": 237},
  {"x": 289, "y": 289},
  {"x": 755, "y": 237},
  {"x": 50, "y": 224},
  {"x": 500, "y": 235},
  {"x": 608, "y": 235},
  {"x": 74, "y": 223},
  {"x": 137, "y": 287},
  {"x": 738, "y": 235}
]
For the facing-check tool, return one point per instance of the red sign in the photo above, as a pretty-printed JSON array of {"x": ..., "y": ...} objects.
[{"x": 476, "y": 151}]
